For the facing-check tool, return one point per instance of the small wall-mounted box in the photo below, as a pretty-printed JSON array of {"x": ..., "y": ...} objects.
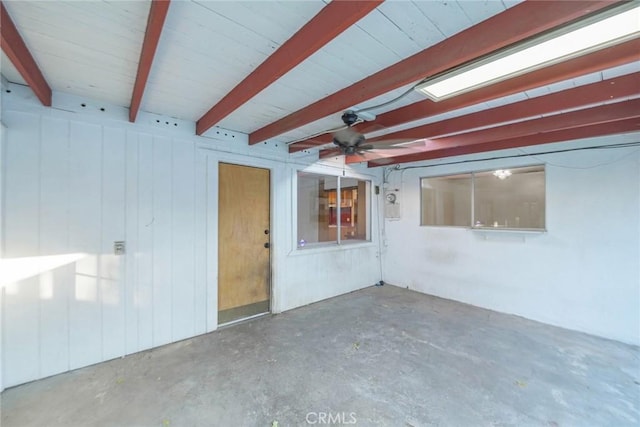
[{"x": 118, "y": 247}]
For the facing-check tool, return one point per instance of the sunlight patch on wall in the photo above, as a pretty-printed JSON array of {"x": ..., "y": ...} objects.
[
  {"x": 46, "y": 285},
  {"x": 13, "y": 270}
]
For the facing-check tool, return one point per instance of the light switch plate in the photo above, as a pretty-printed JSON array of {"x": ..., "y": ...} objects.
[{"x": 118, "y": 247}]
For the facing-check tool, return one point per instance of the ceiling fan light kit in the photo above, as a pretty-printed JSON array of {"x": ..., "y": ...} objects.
[{"x": 614, "y": 26}]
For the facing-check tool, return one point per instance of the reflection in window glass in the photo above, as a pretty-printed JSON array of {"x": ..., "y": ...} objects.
[
  {"x": 505, "y": 198},
  {"x": 446, "y": 200},
  {"x": 513, "y": 198},
  {"x": 332, "y": 209}
]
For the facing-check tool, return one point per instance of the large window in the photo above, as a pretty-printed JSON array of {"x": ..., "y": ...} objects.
[
  {"x": 446, "y": 200},
  {"x": 332, "y": 209},
  {"x": 505, "y": 198}
]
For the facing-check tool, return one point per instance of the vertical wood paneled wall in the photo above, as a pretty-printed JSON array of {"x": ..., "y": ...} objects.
[
  {"x": 71, "y": 190},
  {"x": 73, "y": 184}
]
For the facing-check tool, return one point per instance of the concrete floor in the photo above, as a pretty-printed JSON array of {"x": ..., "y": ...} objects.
[{"x": 380, "y": 356}]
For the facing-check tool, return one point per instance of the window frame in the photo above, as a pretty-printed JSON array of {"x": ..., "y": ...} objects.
[
  {"x": 444, "y": 176},
  {"x": 472, "y": 211},
  {"x": 338, "y": 243}
]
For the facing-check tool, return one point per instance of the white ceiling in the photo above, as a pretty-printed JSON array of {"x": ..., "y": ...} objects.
[
  {"x": 392, "y": 32},
  {"x": 9, "y": 72},
  {"x": 92, "y": 49},
  {"x": 84, "y": 48}
]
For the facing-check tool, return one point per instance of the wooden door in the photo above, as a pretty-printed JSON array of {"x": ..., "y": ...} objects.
[{"x": 244, "y": 262}]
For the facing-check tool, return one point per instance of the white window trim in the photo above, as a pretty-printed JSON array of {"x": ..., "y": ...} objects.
[
  {"x": 489, "y": 229},
  {"x": 337, "y": 245}
]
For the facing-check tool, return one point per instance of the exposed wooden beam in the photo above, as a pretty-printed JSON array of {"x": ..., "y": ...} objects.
[
  {"x": 588, "y": 116},
  {"x": 515, "y": 24},
  {"x": 624, "y": 53},
  {"x": 14, "y": 46},
  {"x": 155, "y": 22},
  {"x": 590, "y": 94},
  {"x": 589, "y": 131},
  {"x": 332, "y": 20},
  {"x": 594, "y": 62},
  {"x": 331, "y": 152},
  {"x": 617, "y": 88},
  {"x": 491, "y": 137},
  {"x": 494, "y": 138}
]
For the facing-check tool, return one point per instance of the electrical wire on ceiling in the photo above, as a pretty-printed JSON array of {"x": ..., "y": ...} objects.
[
  {"x": 584, "y": 167},
  {"x": 525, "y": 154},
  {"x": 362, "y": 110},
  {"x": 391, "y": 101}
]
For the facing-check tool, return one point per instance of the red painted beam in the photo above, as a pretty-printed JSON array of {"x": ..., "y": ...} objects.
[
  {"x": 588, "y": 116},
  {"x": 590, "y": 94},
  {"x": 594, "y": 62},
  {"x": 155, "y": 22},
  {"x": 515, "y": 24},
  {"x": 331, "y": 21},
  {"x": 589, "y": 131},
  {"x": 14, "y": 46},
  {"x": 329, "y": 152},
  {"x": 597, "y": 61},
  {"x": 595, "y": 93}
]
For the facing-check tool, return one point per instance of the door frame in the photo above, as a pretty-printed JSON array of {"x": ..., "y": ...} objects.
[
  {"x": 213, "y": 160},
  {"x": 241, "y": 292}
]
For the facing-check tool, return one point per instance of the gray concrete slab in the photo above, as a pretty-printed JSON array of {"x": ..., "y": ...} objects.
[{"x": 380, "y": 356}]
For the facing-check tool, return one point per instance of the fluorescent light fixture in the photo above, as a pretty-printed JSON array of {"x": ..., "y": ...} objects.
[{"x": 597, "y": 32}]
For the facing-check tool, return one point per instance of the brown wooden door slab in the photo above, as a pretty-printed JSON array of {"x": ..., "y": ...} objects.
[{"x": 244, "y": 263}]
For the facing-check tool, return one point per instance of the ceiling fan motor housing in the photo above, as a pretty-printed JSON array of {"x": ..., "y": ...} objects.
[
  {"x": 349, "y": 118},
  {"x": 348, "y": 138}
]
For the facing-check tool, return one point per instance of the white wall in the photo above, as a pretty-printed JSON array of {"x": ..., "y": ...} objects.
[
  {"x": 582, "y": 274},
  {"x": 2, "y": 138},
  {"x": 76, "y": 181}
]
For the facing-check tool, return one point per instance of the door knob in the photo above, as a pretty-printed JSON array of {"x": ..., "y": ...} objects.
[{"x": 267, "y": 245}]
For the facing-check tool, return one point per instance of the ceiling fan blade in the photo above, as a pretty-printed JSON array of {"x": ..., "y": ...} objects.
[
  {"x": 396, "y": 143},
  {"x": 385, "y": 155},
  {"x": 394, "y": 151},
  {"x": 391, "y": 147}
]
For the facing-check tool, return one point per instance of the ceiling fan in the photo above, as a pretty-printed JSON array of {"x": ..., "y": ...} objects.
[{"x": 351, "y": 142}]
